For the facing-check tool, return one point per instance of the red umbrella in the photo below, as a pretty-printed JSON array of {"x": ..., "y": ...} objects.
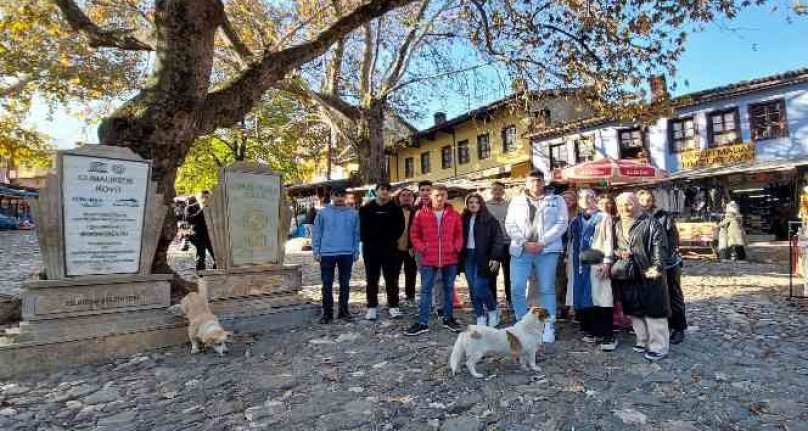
[{"x": 610, "y": 171}]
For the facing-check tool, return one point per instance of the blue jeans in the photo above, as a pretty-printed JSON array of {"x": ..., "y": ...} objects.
[
  {"x": 448, "y": 274},
  {"x": 543, "y": 266},
  {"x": 479, "y": 285},
  {"x": 328, "y": 264}
]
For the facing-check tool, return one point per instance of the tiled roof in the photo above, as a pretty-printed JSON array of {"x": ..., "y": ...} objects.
[
  {"x": 699, "y": 97},
  {"x": 476, "y": 113}
]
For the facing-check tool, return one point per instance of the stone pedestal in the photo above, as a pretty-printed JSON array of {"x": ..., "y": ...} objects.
[
  {"x": 88, "y": 307},
  {"x": 257, "y": 297}
]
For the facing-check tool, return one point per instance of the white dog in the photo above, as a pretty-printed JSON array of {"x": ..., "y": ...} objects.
[{"x": 520, "y": 340}]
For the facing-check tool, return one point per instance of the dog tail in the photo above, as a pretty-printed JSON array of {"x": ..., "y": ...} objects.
[{"x": 458, "y": 352}]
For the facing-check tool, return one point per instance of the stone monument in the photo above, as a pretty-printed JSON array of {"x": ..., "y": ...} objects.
[
  {"x": 99, "y": 219},
  {"x": 248, "y": 222}
]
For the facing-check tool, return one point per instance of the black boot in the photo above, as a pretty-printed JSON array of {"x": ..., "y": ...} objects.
[
  {"x": 677, "y": 336},
  {"x": 326, "y": 319}
]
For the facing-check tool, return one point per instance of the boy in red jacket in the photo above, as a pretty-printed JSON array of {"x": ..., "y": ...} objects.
[{"x": 437, "y": 236}]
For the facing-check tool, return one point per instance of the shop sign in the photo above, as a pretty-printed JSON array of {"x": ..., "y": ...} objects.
[
  {"x": 696, "y": 232},
  {"x": 718, "y": 156}
]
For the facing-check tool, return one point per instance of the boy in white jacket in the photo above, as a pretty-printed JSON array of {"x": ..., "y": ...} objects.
[{"x": 535, "y": 223}]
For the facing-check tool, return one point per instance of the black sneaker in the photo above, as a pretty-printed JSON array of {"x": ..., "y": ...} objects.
[
  {"x": 452, "y": 325},
  {"x": 416, "y": 329},
  {"x": 677, "y": 337},
  {"x": 324, "y": 320},
  {"x": 345, "y": 317}
]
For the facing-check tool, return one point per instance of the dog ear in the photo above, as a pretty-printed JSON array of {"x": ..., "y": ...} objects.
[
  {"x": 516, "y": 345},
  {"x": 476, "y": 335},
  {"x": 540, "y": 313}
]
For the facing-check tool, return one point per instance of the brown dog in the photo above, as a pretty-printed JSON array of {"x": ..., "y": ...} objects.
[{"x": 203, "y": 325}]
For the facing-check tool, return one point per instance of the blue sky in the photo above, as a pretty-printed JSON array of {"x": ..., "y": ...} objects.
[{"x": 757, "y": 43}]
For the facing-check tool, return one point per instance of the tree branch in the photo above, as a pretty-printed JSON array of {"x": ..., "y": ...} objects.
[
  {"x": 326, "y": 100},
  {"x": 365, "y": 85},
  {"x": 404, "y": 50},
  {"x": 239, "y": 46},
  {"x": 226, "y": 106},
  {"x": 99, "y": 37},
  {"x": 437, "y": 75}
]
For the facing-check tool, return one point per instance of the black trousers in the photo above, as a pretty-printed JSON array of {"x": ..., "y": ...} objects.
[
  {"x": 505, "y": 264},
  {"x": 597, "y": 321},
  {"x": 678, "y": 320},
  {"x": 407, "y": 261},
  {"x": 202, "y": 244},
  {"x": 378, "y": 261}
]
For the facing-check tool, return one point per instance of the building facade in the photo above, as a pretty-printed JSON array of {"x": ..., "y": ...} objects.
[
  {"x": 746, "y": 142},
  {"x": 488, "y": 142}
]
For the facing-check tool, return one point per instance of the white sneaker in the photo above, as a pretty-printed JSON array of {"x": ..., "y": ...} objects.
[
  {"x": 549, "y": 334},
  {"x": 395, "y": 313},
  {"x": 481, "y": 321},
  {"x": 371, "y": 314},
  {"x": 493, "y": 318}
]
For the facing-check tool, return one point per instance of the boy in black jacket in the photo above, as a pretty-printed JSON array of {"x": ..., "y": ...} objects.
[{"x": 381, "y": 223}]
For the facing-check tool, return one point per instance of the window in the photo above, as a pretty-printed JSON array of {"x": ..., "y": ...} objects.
[
  {"x": 446, "y": 157},
  {"x": 544, "y": 117},
  {"x": 558, "y": 155},
  {"x": 426, "y": 163},
  {"x": 632, "y": 143},
  {"x": 682, "y": 135},
  {"x": 483, "y": 146},
  {"x": 509, "y": 139},
  {"x": 409, "y": 167},
  {"x": 584, "y": 149},
  {"x": 463, "y": 152},
  {"x": 768, "y": 120},
  {"x": 723, "y": 127}
]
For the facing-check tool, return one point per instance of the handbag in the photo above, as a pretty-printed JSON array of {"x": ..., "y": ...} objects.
[
  {"x": 592, "y": 256},
  {"x": 624, "y": 270}
]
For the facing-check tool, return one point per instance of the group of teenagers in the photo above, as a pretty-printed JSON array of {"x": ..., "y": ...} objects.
[{"x": 602, "y": 258}]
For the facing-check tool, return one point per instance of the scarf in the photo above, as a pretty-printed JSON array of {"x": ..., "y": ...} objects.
[
  {"x": 625, "y": 233},
  {"x": 583, "y": 232}
]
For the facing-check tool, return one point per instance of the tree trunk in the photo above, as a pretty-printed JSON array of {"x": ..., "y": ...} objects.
[
  {"x": 372, "y": 166},
  {"x": 160, "y": 122}
]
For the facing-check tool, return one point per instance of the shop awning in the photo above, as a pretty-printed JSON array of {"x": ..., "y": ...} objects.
[{"x": 740, "y": 168}]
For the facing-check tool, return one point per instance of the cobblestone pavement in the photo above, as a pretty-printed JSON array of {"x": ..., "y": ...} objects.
[
  {"x": 19, "y": 258},
  {"x": 743, "y": 366}
]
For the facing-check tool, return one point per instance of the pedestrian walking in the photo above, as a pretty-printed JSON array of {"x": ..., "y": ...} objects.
[
  {"x": 405, "y": 255},
  {"x": 498, "y": 207},
  {"x": 673, "y": 265},
  {"x": 536, "y": 221},
  {"x": 381, "y": 224},
  {"x": 639, "y": 273},
  {"x": 437, "y": 236},
  {"x": 482, "y": 252},
  {"x": 335, "y": 244},
  {"x": 200, "y": 238},
  {"x": 591, "y": 248},
  {"x": 732, "y": 230}
]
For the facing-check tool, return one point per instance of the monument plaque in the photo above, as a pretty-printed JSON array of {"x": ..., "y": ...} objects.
[
  {"x": 104, "y": 201},
  {"x": 253, "y": 216}
]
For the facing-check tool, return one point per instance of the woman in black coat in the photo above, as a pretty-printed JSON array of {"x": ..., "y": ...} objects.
[
  {"x": 483, "y": 249},
  {"x": 639, "y": 273}
]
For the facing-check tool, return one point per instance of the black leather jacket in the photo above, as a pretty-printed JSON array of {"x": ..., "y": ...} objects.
[
  {"x": 647, "y": 242},
  {"x": 671, "y": 234}
]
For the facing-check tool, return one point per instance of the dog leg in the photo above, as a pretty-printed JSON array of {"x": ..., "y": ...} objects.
[
  {"x": 192, "y": 337},
  {"x": 471, "y": 363},
  {"x": 531, "y": 360}
]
